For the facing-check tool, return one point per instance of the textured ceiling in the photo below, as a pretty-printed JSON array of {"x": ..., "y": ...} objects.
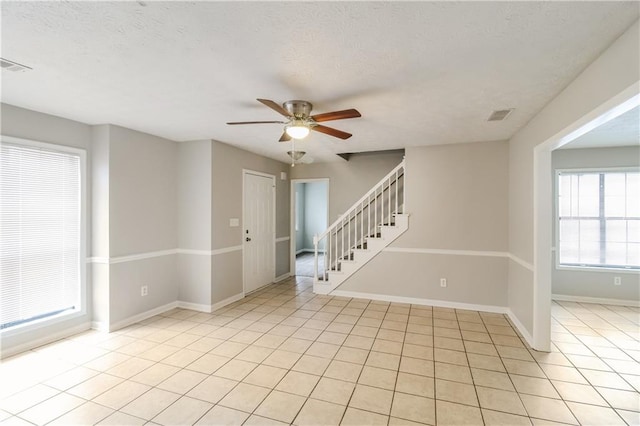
[
  {"x": 419, "y": 72},
  {"x": 623, "y": 130}
]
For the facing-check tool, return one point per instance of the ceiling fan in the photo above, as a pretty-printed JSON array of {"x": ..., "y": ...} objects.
[{"x": 300, "y": 122}]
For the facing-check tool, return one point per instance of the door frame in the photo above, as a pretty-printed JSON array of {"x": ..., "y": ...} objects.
[
  {"x": 246, "y": 172},
  {"x": 292, "y": 216}
]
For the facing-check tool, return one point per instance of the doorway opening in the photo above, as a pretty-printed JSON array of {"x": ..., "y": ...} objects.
[{"x": 310, "y": 215}]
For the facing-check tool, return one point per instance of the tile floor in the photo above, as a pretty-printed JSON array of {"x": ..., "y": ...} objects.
[
  {"x": 305, "y": 263},
  {"x": 284, "y": 355}
]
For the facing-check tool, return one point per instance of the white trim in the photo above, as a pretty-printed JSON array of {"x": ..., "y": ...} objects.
[
  {"x": 103, "y": 260},
  {"x": 521, "y": 262},
  {"x": 597, "y": 300},
  {"x": 282, "y": 277},
  {"x": 160, "y": 253},
  {"x": 521, "y": 328},
  {"x": 142, "y": 316},
  {"x": 141, "y": 256},
  {"x": 226, "y": 250},
  {"x": 301, "y": 251},
  {"x": 227, "y": 301},
  {"x": 447, "y": 251},
  {"x": 200, "y": 307},
  {"x": 52, "y": 337},
  {"x": 420, "y": 301},
  {"x": 196, "y": 252},
  {"x": 282, "y": 239}
]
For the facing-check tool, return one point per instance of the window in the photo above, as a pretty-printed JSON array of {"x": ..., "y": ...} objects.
[
  {"x": 41, "y": 232},
  {"x": 599, "y": 219}
]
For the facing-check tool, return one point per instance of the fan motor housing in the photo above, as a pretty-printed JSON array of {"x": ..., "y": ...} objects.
[{"x": 298, "y": 109}]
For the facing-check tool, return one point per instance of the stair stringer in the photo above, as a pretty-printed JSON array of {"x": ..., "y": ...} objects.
[{"x": 388, "y": 234}]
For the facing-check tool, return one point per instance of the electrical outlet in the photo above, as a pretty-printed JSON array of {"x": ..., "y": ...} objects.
[
  {"x": 617, "y": 281},
  {"x": 443, "y": 282},
  {"x": 144, "y": 290}
]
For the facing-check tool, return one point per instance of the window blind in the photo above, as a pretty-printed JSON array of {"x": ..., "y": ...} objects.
[{"x": 40, "y": 220}]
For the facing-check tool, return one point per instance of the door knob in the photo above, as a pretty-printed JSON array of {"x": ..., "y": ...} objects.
[{"x": 248, "y": 239}]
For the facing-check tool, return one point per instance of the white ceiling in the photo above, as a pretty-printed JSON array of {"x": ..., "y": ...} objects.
[
  {"x": 623, "y": 130},
  {"x": 419, "y": 72}
]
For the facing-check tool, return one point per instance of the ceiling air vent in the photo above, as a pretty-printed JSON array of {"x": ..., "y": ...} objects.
[
  {"x": 13, "y": 66},
  {"x": 500, "y": 114}
]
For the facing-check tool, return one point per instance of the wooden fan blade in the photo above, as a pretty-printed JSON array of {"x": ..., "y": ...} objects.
[
  {"x": 285, "y": 137},
  {"x": 336, "y": 115},
  {"x": 255, "y": 122},
  {"x": 274, "y": 106},
  {"x": 331, "y": 132}
]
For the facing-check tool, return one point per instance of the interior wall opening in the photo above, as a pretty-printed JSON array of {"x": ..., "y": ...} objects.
[{"x": 310, "y": 217}]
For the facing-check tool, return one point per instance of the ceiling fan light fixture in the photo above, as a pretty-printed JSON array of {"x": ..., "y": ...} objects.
[
  {"x": 298, "y": 129},
  {"x": 296, "y": 155}
]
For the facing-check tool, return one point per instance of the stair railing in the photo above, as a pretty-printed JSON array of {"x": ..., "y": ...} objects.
[{"x": 359, "y": 222}]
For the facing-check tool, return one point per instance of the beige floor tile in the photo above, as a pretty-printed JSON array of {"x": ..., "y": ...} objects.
[
  {"x": 235, "y": 369},
  {"x": 523, "y": 368},
  {"x": 548, "y": 409},
  {"x": 631, "y": 417},
  {"x": 323, "y": 350},
  {"x": 298, "y": 383},
  {"x": 311, "y": 364},
  {"x": 372, "y": 399},
  {"x": 590, "y": 414},
  {"x": 413, "y": 408},
  {"x": 418, "y": 339},
  {"x": 448, "y": 343},
  {"x": 416, "y": 366},
  {"x": 159, "y": 352},
  {"x": 534, "y": 386},
  {"x": 378, "y": 377},
  {"x": 515, "y": 353},
  {"x": 150, "y": 404},
  {"x": 383, "y": 360},
  {"x": 449, "y": 413},
  {"x": 563, "y": 373},
  {"x": 579, "y": 393},
  {"x": 456, "y": 373},
  {"x": 255, "y": 420},
  {"x": 417, "y": 351},
  {"x": 107, "y": 361},
  {"x": 358, "y": 342},
  {"x": 355, "y": 417},
  {"x": 212, "y": 389},
  {"x": 71, "y": 378},
  {"x": 394, "y": 336},
  {"x": 86, "y": 414},
  {"x": 121, "y": 419},
  {"x": 282, "y": 359},
  {"x": 155, "y": 374},
  {"x": 415, "y": 385},
  {"x": 456, "y": 392},
  {"x": 353, "y": 355},
  {"x": 182, "y": 382},
  {"x": 315, "y": 412},
  {"x": 130, "y": 368},
  {"x": 606, "y": 379},
  {"x": 480, "y": 348},
  {"x": 450, "y": 356},
  {"x": 223, "y": 416},
  {"x": 497, "y": 418},
  {"x": 623, "y": 400},
  {"x": 231, "y": 349},
  {"x": 280, "y": 406},
  {"x": 182, "y": 358},
  {"x": 205, "y": 344},
  {"x": 500, "y": 400},
  {"x": 244, "y": 397},
  {"x": 27, "y": 398},
  {"x": 295, "y": 345},
  {"x": 266, "y": 376},
  {"x": 342, "y": 370},
  {"x": 96, "y": 385},
  {"x": 185, "y": 411},
  {"x": 255, "y": 354},
  {"x": 122, "y": 394},
  {"x": 332, "y": 390},
  {"x": 51, "y": 409},
  {"x": 486, "y": 362}
]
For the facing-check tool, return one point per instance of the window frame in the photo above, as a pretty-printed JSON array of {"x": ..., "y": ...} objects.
[
  {"x": 83, "y": 309},
  {"x": 556, "y": 249}
]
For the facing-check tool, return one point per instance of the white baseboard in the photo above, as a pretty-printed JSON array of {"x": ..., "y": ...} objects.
[
  {"x": 521, "y": 328},
  {"x": 282, "y": 277},
  {"x": 597, "y": 300},
  {"x": 142, "y": 316},
  {"x": 227, "y": 301},
  {"x": 14, "y": 350},
  {"x": 194, "y": 306},
  {"x": 419, "y": 301}
]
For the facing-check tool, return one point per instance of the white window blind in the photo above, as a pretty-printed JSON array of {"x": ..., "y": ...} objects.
[
  {"x": 40, "y": 247},
  {"x": 599, "y": 219}
]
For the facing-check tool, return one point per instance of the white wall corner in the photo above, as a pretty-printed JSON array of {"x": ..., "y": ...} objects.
[
  {"x": 229, "y": 300},
  {"x": 520, "y": 327},
  {"x": 194, "y": 306},
  {"x": 282, "y": 277},
  {"x": 142, "y": 316}
]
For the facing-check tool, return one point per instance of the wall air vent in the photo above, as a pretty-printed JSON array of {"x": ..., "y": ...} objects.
[
  {"x": 500, "y": 114},
  {"x": 13, "y": 66}
]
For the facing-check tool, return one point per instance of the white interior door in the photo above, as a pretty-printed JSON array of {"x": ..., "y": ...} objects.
[{"x": 259, "y": 231}]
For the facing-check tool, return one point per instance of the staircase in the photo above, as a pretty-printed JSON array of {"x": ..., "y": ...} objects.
[{"x": 358, "y": 235}]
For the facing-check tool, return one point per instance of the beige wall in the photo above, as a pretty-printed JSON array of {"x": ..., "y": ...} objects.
[
  {"x": 585, "y": 283},
  {"x": 456, "y": 199},
  {"x": 615, "y": 70}
]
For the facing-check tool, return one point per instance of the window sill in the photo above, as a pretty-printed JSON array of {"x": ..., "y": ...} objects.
[{"x": 598, "y": 269}]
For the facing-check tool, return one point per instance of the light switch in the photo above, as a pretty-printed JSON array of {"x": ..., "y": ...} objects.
[
  {"x": 283, "y": 175},
  {"x": 234, "y": 222}
]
